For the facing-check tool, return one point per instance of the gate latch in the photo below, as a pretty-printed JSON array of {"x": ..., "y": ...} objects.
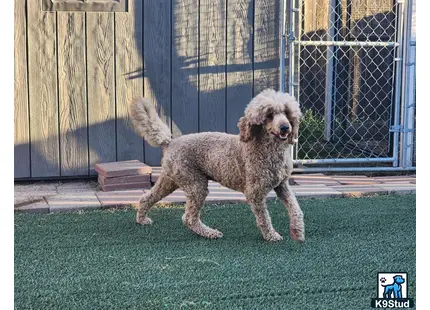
[
  {"x": 399, "y": 128},
  {"x": 396, "y": 128},
  {"x": 291, "y": 36}
]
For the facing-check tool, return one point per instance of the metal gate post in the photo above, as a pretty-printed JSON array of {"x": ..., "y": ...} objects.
[
  {"x": 291, "y": 63},
  {"x": 282, "y": 52},
  {"x": 329, "y": 71},
  {"x": 291, "y": 39},
  {"x": 298, "y": 26},
  {"x": 408, "y": 100},
  {"x": 397, "y": 96}
]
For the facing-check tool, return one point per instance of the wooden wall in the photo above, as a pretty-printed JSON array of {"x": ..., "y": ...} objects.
[{"x": 76, "y": 71}]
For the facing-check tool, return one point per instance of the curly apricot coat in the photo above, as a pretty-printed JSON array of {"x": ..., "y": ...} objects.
[{"x": 253, "y": 162}]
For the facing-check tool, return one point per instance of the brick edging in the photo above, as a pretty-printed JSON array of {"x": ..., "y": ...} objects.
[{"x": 42, "y": 206}]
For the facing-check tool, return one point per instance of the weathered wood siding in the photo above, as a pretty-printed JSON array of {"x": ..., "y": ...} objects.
[
  {"x": 200, "y": 62},
  {"x": 72, "y": 93},
  {"x": 43, "y": 91},
  {"x": 21, "y": 106}
]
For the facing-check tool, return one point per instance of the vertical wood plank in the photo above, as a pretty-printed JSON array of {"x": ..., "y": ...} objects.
[
  {"x": 157, "y": 62},
  {"x": 72, "y": 93},
  {"x": 239, "y": 59},
  {"x": 307, "y": 53},
  {"x": 101, "y": 88},
  {"x": 21, "y": 125},
  {"x": 372, "y": 20},
  {"x": 212, "y": 63},
  {"x": 313, "y": 58},
  {"x": 319, "y": 60},
  {"x": 321, "y": 15},
  {"x": 128, "y": 46},
  {"x": 185, "y": 30},
  {"x": 42, "y": 60},
  {"x": 309, "y": 25},
  {"x": 266, "y": 45}
]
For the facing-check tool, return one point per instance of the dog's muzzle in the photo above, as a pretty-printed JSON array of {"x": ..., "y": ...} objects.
[{"x": 284, "y": 130}]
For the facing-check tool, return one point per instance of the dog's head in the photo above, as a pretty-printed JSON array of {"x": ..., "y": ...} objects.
[
  {"x": 274, "y": 114},
  {"x": 398, "y": 279}
]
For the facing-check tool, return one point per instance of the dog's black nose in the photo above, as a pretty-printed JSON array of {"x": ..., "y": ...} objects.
[{"x": 284, "y": 128}]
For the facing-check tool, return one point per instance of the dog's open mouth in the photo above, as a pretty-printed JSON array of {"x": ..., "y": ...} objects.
[{"x": 280, "y": 135}]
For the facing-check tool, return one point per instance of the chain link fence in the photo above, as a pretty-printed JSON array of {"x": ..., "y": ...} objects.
[{"x": 344, "y": 67}]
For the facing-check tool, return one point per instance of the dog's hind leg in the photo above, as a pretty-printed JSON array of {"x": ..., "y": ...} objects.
[
  {"x": 295, "y": 213},
  {"x": 163, "y": 187},
  {"x": 196, "y": 195}
]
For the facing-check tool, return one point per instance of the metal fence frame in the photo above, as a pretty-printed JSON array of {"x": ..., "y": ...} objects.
[
  {"x": 409, "y": 82},
  {"x": 403, "y": 129}
]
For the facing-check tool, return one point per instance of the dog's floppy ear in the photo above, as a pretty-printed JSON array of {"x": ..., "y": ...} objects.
[
  {"x": 245, "y": 129},
  {"x": 294, "y": 116},
  {"x": 293, "y": 136}
]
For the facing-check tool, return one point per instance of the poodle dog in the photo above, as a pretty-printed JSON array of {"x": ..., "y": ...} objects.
[{"x": 253, "y": 162}]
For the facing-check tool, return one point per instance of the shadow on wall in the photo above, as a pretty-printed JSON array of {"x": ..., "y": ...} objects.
[{"x": 79, "y": 156}]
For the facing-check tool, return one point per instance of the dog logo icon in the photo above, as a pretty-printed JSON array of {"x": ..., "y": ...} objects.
[{"x": 392, "y": 291}]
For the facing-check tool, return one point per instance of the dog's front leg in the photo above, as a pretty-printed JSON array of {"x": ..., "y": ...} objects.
[
  {"x": 398, "y": 292},
  {"x": 297, "y": 225},
  {"x": 264, "y": 222}
]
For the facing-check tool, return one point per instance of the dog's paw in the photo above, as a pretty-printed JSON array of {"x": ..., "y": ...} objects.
[
  {"x": 201, "y": 229},
  {"x": 273, "y": 237},
  {"x": 297, "y": 235},
  {"x": 143, "y": 220},
  {"x": 213, "y": 234},
  {"x": 207, "y": 232}
]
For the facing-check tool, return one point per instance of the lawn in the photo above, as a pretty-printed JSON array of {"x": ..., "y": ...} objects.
[{"x": 102, "y": 260}]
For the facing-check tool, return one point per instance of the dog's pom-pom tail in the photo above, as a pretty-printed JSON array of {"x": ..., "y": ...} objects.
[{"x": 148, "y": 124}]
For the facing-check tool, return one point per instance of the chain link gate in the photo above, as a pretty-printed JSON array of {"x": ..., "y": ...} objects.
[{"x": 344, "y": 63}]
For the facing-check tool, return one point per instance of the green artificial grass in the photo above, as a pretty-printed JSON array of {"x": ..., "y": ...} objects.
[{"x": 102, "y": 260}]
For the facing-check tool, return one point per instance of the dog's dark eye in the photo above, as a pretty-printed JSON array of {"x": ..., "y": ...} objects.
[{"x": 270, "y": 115}]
